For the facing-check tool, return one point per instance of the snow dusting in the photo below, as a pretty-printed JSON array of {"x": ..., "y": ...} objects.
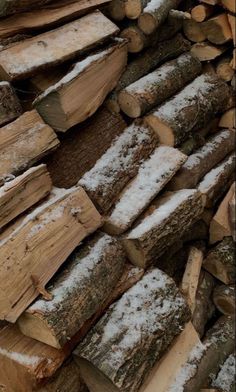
[
  {"x": 23, "y": 359},
  {"x": 226, "y": 376}
]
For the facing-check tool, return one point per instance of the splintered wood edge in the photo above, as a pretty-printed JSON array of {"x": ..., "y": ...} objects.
[{"x": 163, "y": 131}]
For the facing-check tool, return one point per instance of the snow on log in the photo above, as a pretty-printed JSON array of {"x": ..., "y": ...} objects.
[{"x": 225, "y": 380}]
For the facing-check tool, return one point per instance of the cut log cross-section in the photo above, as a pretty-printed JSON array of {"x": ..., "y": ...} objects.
[
  {"x": 54, "y": 47},
  {"x": 225, "y": 71},
  {"x": 189, "y": 110},
  {"x": 21, "y": 193},
  {"x": 217, "y": 29},
  {"x": 205, "y": 51},
  {"x": 159, "y": 227},
  {"x": 10, "y": 107},
  {"x": 153, "y": 89},
  {"x": 43, "y": 238},
  {"x": 153, "y": 175},
  {"x": 224, "y": 299},
  {"x": 201, "y": 12},
  {"x": 228, "y": 119},
  {"x": 123, "y": 347},
  {"x": 193, "y": 31},
  {"x": 24, "y": 142},
  {"x": 79, "y": 94},
  {"x": 77, "y": 293}
]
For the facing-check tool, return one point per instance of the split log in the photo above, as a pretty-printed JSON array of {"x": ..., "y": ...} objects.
[
  {"x": 54, "y": 47},
  {"x": 17, "y": 195},
  {"x": 193, "y": 31},
  {"x": 24, "y": 142},
  {"x": 153, "y": 175},
  {"x": 118, "y": 165},
  {"x": 79, "y": 94},
  {"x": 201, "y": 12},
  {"x": 220, "y": 261},
  {"x": 232, "y": 23},
  {"x": 116, "y": 10},
  {"x": 217, "y": 29},
  {"x": 140, "y": 310},
  {"x": 228, "y": 119},
  {"x": 189, "y": 110},
  {"x": 158, "y": 228},
  {"x": 204, "y": 159},
  {"x": 224, "y": 68},
  {"x": 43, "y": 80},
  {"x": 217, "y": 182},
  {"x": 205, "y": 51},
  {"x": 224, "y": 299},
  {"x": 51, "y": 15},
  {"x": 14, "y": 6},
  {"x": 225, "y": 380},
  {"x": 220, "y": 224},
  {"x": 45, "y": 237},
  {"x": 151, "y": 90},
  {"x": 73, "y": 302},
  {"x": 204, "y": 309},
  {"x": 10, "y": 107},
  {"x": 191, "y": 276},
  {"x": 154, "y": 14},
  {"x": 229, "y": 5}
]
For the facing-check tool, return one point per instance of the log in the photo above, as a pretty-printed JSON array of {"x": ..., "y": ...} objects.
[
  {"x": 10, "y": 107},
  {"x": 153, "y": 175},
  {"x": 232, "y": 23},
  {"x": 134, "y": 8},
  {"x": 228, "y": 119},
  {"x": 112, "y": 357},
  {"x": 137, "y": 40},
  {"x": 118, "y": 165},
  {"x": 224, "y": 68},
  {"x": 193, "y": 31},
  {"x": 225, "y": 380},
  {"x": 54, "y": 47},
  {"x": 204, "y": 309},
  {"x": 46, "y": 236},
  {"x": 79, "y": 93},
  {"x": 19, "y": 194},
  {"x": 199, "y": 163},
  {"x": 83, "y": 146},
  {"x": 201, "y": 12},
  {"x": 76, "y": 293},
  {"x": 24, "y": 142},
  {"x": 116, "y": 10},
  {"x": 224, "y": 299},
  {"x": 205, "y": 51},
  {"x": 151, "y": 90},
  {"x": 216, "y": 183},
  {"x": 229, "y": 5},
  {"x": 188, "y": 110},
  {"x": 154, "y": 14},
  {"x": 220, "y": 261},
  {"x": 232, "y": 215},
  {"x": 14, "y": 6},
  {"x": 211, "y": 2},
  {"x": 220, "y": 224},
  {"x": 157, "y": 229},
  {"x": 217, "y": 29},
  {"x": 43, "y": 80}
]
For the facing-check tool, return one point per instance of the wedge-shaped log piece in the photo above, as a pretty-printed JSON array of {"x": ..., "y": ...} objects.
[
  {"x": 51, "y": 48},
  {"x": 14, "y": 6},
  {"x": 79, "y": 94},
  {"x": 229, "y": 5},
  {"x": 24, "y": 142},
  {"x": 213, "y": 185},
  {"x": 228, "y": 119},
  {"x": 150, "y": 91},
  {"x": 206, "y": 51},
  {"x": 189, "y": 110},
  {"x": 10, "y": 107},
  {"x": 217, "y": 29},
  {"x": 224, "y": 299},
  {"x": 41, "y": 242},
  {"x": 204, "y": 159},
  {"x": 220, "y": 261},
  {"x": 18, "y": 195},
  {"x": 118, "y": 165},
  {"x": 77, "y": 293},
  {"x": 153, "y": 175},
  {"x": 123, "y": 347},
  {"x": 160, "y": 226}
]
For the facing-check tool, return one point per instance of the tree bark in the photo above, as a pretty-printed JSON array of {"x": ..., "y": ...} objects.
[
  {"x": 159, "y": 227},
  {"x": 10, "y": 107},
  {"x": 224, "y": 299},
  {"x": 121, "y": 357},
  {"x": 228, "y": 119},
  {"x": 189, "y": 110},
  {"x": 14, "y": 6},
  {"x": 154, "y": 88},
  {"x": 225, "y": 379},
  {"x": 217, "y": 29}
]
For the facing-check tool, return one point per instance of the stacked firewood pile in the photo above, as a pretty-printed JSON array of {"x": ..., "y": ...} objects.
[{"x": 117, "y": 196}]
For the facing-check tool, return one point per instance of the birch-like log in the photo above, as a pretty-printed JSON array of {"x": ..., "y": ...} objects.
[{"x": 224, "y": 299}]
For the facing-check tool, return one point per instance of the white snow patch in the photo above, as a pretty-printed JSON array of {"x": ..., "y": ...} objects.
[
  {"x": 24, "y": 359},
  {"x": 226, "y": 376}
]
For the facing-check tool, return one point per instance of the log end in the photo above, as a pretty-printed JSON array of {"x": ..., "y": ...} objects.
[
  {"x": 134, "y": 253},
  {"x": 135, "y": 39},
  {"x": 133, "y": 9},
  {"x": 164, "y": 132},
  {"x": 129, "y": 105},
  {"x": 147, "y": 23}
]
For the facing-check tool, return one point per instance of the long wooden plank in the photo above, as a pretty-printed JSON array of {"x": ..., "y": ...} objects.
[{"x": 48, "y": 49}]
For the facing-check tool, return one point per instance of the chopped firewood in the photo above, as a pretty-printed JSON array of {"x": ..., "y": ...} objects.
[
  {"x": 229, "y": 5},
  {"x": 157, "y": 228},
  {"x": 192, "y": 143},
  {"x": 19, "y": 194},
  {"x": 217, "y": 147},
  {"x": 217, "y": 182},
  {"x": 224, "y": 68},
  {"x": 220, "y": 261},
  {"x": 232, "y": 216},
  {"x": 79, "y": 94},
  {"x": 116, "y": 10},
  {"x": 45, "y": 237},
  {"x": 118, "y": 165},
  {"x": 43, "y": 80},
  {"x": 225, "y": 379},
  {"x": 183, "y": 15},
  {"x": 204, "y": 308},
  {"x": 217, "y": 29},
  {"x": 206, "y": 51},
  {"x": 139, "y": 310},
  {"x": 10, "y": 107},
  {"x": 56, "y": 46},
  {"x": 211, "y": 2},
  {"x": 228, "y": 119},
  {"x": 224, "y": 299},
  {"x": 220, "y": 225},
  {"x": 201, "y": 12},
  {"x": 14, "y": 6},
  {"x": 24, "y": 142},
  {"x": 232, "y": 23},
  {"x": 151, "y": 90},
  {"x": 233, "y": 62},
  {"x": 56, "y": 321},
  {"x": 153, "y": 175},
  {"x": 191, "y": 276},
  {"x": 189, "y": 110},
  {"x": 193, "y": 31},
  {"x": 134, "y": 8},
  {"x": 137, "y": 40}
]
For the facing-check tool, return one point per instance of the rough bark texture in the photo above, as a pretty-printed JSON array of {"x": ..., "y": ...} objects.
[
  {"x": 127, "y": 341},
  {"x": 10, "y": 107},
  {"x": 225, "y": 379},
  {"x": 224, "y": 299},
  {"x": 153, "y": 89},
  {"x": 159, "y": 227}
]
